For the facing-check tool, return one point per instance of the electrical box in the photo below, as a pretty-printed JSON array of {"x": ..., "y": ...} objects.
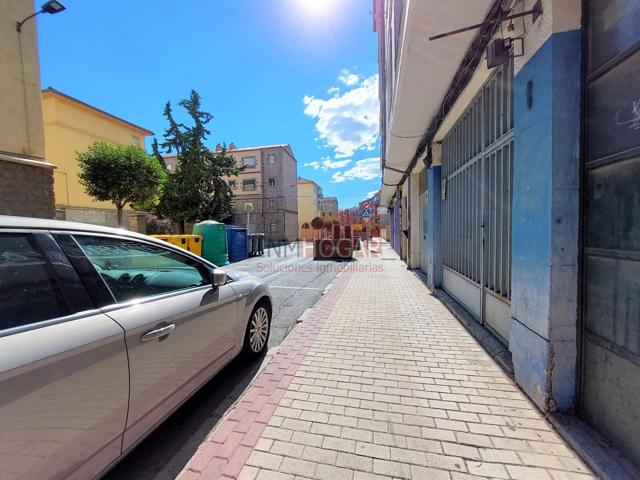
[{"x": 497, "y": 53}]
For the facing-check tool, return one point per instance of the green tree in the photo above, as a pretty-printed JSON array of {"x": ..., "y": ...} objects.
[
  {"x": 121, "y": 174},
  {"x": 195, "y": 190}
]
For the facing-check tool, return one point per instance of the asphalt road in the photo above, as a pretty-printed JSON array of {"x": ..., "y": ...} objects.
[{"x": 296, "y": 282}]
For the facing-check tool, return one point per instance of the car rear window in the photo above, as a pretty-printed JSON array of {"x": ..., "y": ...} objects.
[{"x": 29, "y": 291}]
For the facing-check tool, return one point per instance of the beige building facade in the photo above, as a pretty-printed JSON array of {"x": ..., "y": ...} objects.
[
  {"x": 26, "y": 174},
  {"x": 71, "y": 126},
  {"x": 265, "y": 191},
  {"x": 309, "y": 197},
  {"x": 329, "y": 207}
]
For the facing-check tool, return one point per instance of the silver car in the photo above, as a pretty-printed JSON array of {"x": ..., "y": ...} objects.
[{"x": 104, "y": 333}]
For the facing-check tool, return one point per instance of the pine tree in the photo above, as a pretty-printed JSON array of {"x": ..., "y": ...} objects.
[{"x": 196, "y": 190}]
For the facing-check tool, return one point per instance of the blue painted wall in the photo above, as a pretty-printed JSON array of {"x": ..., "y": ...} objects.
[{"x": 545, "y": 222}]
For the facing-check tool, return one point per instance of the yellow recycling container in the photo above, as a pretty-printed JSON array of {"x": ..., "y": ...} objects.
[{"x": 192, "y": 243}]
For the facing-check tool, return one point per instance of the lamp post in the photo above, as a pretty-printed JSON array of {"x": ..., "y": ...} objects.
[{"x": 52, "y": 7}]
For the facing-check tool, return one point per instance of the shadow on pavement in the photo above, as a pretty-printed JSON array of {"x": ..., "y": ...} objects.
[{"x": 164, "y": 453}]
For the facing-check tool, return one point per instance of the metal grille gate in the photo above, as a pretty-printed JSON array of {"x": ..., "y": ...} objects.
[{"x": 477, "y": 159}]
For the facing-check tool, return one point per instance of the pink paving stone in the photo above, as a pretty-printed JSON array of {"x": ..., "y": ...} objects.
[
  {"x": 254, "y": 433},
  {"x": 246, "y": 422},
  {"x": 237, "y": 461},
  {"x": 188, "y": 475},
  {"x": 203, "y": 456},
  {"x": 223, "y": 432},
  {"x": 239, "y": 412},
  {"x": 267, "y": 411},
  {"x": 285, "y": 382},
  {"x": 229, "y": 446},
  {"x": 214, "y": 468},
  {"x": 277, "y": 395},
  {"x": 259, "y": 403}
]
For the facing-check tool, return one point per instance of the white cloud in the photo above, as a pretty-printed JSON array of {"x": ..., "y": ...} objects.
[
  {"x": 327, "y": 164},
  {"x": 314, "y": 165},
  {"x": 366, "y": 169},
  {"x": 372, "y": 193},
  {"x": 347, "y": 122},
  {"x": 348, "y": 78},
  {"x": 333, "y": 90}
]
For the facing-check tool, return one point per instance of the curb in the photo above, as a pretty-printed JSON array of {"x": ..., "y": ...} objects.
[{"x": 228, "y": 446}]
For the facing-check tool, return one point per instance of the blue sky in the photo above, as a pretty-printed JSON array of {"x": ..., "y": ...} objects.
[{"x": 302, "y": 72}]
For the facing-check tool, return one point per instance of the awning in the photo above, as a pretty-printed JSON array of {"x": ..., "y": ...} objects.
[{"x": 425, "y": 72}]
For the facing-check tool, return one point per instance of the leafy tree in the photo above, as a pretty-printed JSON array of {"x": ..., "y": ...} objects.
[
  {"x": 195, "y": 190},
  {"x": 317, "y": 223},
  {"x": 121, "y": 174}
]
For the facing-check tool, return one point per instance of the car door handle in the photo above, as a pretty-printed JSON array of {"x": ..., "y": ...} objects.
[{"x": 158, "y": 333}]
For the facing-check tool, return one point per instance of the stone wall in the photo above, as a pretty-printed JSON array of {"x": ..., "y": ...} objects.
[{"x": 26, "y": 191}]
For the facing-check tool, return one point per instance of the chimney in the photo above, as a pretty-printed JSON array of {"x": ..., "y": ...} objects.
[
  {"x": 218, "y": 147},
  {"x": 232, "y": 146}
]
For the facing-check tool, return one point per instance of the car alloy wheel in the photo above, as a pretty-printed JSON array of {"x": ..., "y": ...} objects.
[{"x": 259, "y": 329}]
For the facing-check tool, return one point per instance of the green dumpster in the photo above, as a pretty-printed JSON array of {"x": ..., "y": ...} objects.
[{"x": 214, "y": 241}]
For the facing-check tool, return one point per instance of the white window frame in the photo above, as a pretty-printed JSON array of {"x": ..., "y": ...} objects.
[
  {"x": 248, "y": 182},
  {"x": 252, "y": 159}
]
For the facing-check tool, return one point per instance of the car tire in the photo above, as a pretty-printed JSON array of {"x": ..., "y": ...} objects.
[{"x": 256, "y": 336}]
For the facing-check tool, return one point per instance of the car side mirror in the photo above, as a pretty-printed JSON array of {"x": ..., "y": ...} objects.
[{"x": 218, "y": 277}]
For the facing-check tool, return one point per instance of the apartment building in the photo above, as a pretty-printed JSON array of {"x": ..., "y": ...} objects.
[
  {"x": 510, "y": 158},
  {"x": 309, "y": 198},
  {"x": 26, "y": 174},
  {"x": 71, "y": 126},
  {"x": 266, "y": 192},
  {"x": 329, "y": 207}
]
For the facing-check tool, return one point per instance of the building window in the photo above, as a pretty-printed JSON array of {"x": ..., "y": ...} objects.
[
  {"x": 271, "y": 159},
  {"x": 272, "y": 205},
  {"x": 275, "y": 227},
  {"x": 135, "y": 140},
  {"x": 232, "y": 184},
  {"x": 249, "y": 162},
  {"x": 272, "y": 182},
  {"x": 249, "y": 185}
]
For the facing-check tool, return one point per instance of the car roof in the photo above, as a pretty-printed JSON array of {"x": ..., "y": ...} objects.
[{"x": 46, "y": 224}]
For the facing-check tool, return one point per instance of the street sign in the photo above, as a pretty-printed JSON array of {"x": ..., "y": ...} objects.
[{"x": 366, "y": 212}]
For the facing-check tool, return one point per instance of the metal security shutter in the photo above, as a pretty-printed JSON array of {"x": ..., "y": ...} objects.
[
  {"x": 477, "y": 159},
  {"x": 611, "y": 278}
]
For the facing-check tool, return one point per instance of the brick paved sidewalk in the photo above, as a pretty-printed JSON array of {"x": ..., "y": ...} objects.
[{"x": 381, "y": 381}]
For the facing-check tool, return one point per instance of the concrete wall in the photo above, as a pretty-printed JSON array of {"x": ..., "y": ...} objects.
[
  {"x": 543, "y": 337},
  {"x": 26, "y": 178},
  {"x": 434, "y": 261},
  {"x": 414, "y": 235},
  {"x": 21, "y": 119},
  {"x": 25, "y": 190}
]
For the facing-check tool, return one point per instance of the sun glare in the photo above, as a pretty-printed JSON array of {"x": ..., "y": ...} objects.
[{"x": 316, "y": 7}]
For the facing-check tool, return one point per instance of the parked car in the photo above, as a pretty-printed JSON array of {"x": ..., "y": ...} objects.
[{"x": 103, "y": 334}]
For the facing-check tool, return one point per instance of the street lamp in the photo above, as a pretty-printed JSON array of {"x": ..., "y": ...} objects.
[{"x": 52, "y": 7}]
